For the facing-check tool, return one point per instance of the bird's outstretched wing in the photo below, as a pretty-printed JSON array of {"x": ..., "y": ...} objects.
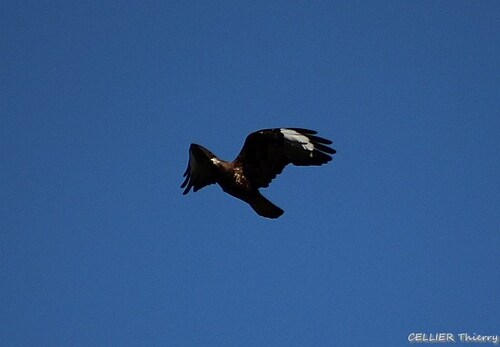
[
  {"x": 200, "y": 170},
  {"x": 266, "y": 152}
]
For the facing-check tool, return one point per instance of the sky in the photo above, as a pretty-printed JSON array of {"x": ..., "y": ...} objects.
[{"x": 399, "y": 234}]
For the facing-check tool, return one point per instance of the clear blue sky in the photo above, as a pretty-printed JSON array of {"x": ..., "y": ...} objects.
[{"x": 400, "y": 233}]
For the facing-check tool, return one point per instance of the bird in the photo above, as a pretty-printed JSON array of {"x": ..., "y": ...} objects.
[{"x": 264, "y": 155}]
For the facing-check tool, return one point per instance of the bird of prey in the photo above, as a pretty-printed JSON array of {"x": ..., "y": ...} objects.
[{"x": 263, "y": 156}]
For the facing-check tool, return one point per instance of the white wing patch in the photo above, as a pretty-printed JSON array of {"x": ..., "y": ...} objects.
[{"x": 297, "y": 138}]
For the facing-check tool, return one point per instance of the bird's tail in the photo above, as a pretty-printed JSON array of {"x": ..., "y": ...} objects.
[{"x": 265, "y": 208}]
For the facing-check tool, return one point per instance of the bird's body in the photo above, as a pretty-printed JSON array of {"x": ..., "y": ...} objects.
[{"x": 263, "y": 156}]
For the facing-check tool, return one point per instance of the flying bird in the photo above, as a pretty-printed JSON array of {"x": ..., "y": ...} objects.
[{"x": 264, "y": 155}]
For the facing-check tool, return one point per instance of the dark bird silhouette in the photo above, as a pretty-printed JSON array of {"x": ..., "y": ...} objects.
[{"x": 263, "y": 156}]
